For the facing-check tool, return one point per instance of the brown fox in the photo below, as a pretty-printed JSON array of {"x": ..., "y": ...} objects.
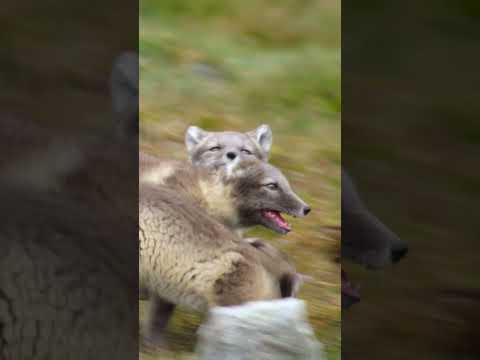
[
  {"x": 206, "y": 263},
  {"x": 255, "y": 194}
]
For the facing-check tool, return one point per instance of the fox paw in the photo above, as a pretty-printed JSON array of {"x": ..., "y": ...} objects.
[{"x": 154, "y": 345}]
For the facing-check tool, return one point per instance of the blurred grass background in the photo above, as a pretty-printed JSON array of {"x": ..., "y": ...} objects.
[{"x": 233, "y": 65}]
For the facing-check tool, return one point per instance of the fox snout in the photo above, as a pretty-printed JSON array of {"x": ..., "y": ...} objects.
[
  {"x": 302, "y": 208},
  {"x": 306, "y": 210},
  {"x": 231, "y": 155},
  {"x": 398, "y": 254}
]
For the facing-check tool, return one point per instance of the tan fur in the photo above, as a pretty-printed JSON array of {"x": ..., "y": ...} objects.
[
  {"x": 158, "y": 175},
  {"x": 218, "y": 200},
  {"x": 196, "y": 183},
  {"x": 65, "y": 272}
]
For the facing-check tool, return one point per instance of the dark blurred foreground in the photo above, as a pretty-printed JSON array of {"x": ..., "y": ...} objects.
[
  {"x": 411, "y": 141},
  {"x": 68, "y": 184}
]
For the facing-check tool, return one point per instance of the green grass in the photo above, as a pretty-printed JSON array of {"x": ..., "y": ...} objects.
[{"x": 234, "y": 65}]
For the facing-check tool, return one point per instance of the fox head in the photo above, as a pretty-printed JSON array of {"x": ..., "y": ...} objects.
[
  {"x": 260, "y": 193},
  {"x": 213, "y": 149}
]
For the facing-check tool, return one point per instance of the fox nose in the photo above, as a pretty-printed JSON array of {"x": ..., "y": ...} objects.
[
  {"x": 398, "y": 254},
  {"x": 306, "y": 210},
  {"x": 231, "y": 155}
]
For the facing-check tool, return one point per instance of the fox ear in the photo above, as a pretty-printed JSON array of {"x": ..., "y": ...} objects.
[
  {"x": 124, "y": 93},
  {"x": 193, "y": 136},
  {"x": 263, "y": 136}
]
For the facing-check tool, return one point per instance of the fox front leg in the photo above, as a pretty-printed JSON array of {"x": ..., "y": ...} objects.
[{"x": 160, "y": 313}]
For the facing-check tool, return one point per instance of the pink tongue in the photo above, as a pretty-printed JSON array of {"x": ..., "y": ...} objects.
[{"x": 277, "y": 218}]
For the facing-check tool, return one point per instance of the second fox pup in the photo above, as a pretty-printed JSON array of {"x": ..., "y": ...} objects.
[{"x": 240, "y": 194}]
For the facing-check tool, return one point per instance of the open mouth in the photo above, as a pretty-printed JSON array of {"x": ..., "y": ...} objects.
[
  {"x": 274, "y": 220},
  {"x": 350, "y": 292}
]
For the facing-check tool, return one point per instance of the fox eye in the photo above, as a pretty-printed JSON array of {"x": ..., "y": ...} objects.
[
  {"x": 215, "y": 148},
  {"x": 272, "y": 186},
  {"x": 246, "y": 151}
]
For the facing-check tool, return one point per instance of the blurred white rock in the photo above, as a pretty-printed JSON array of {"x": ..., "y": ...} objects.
[{"x": 264, "y": 330}]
